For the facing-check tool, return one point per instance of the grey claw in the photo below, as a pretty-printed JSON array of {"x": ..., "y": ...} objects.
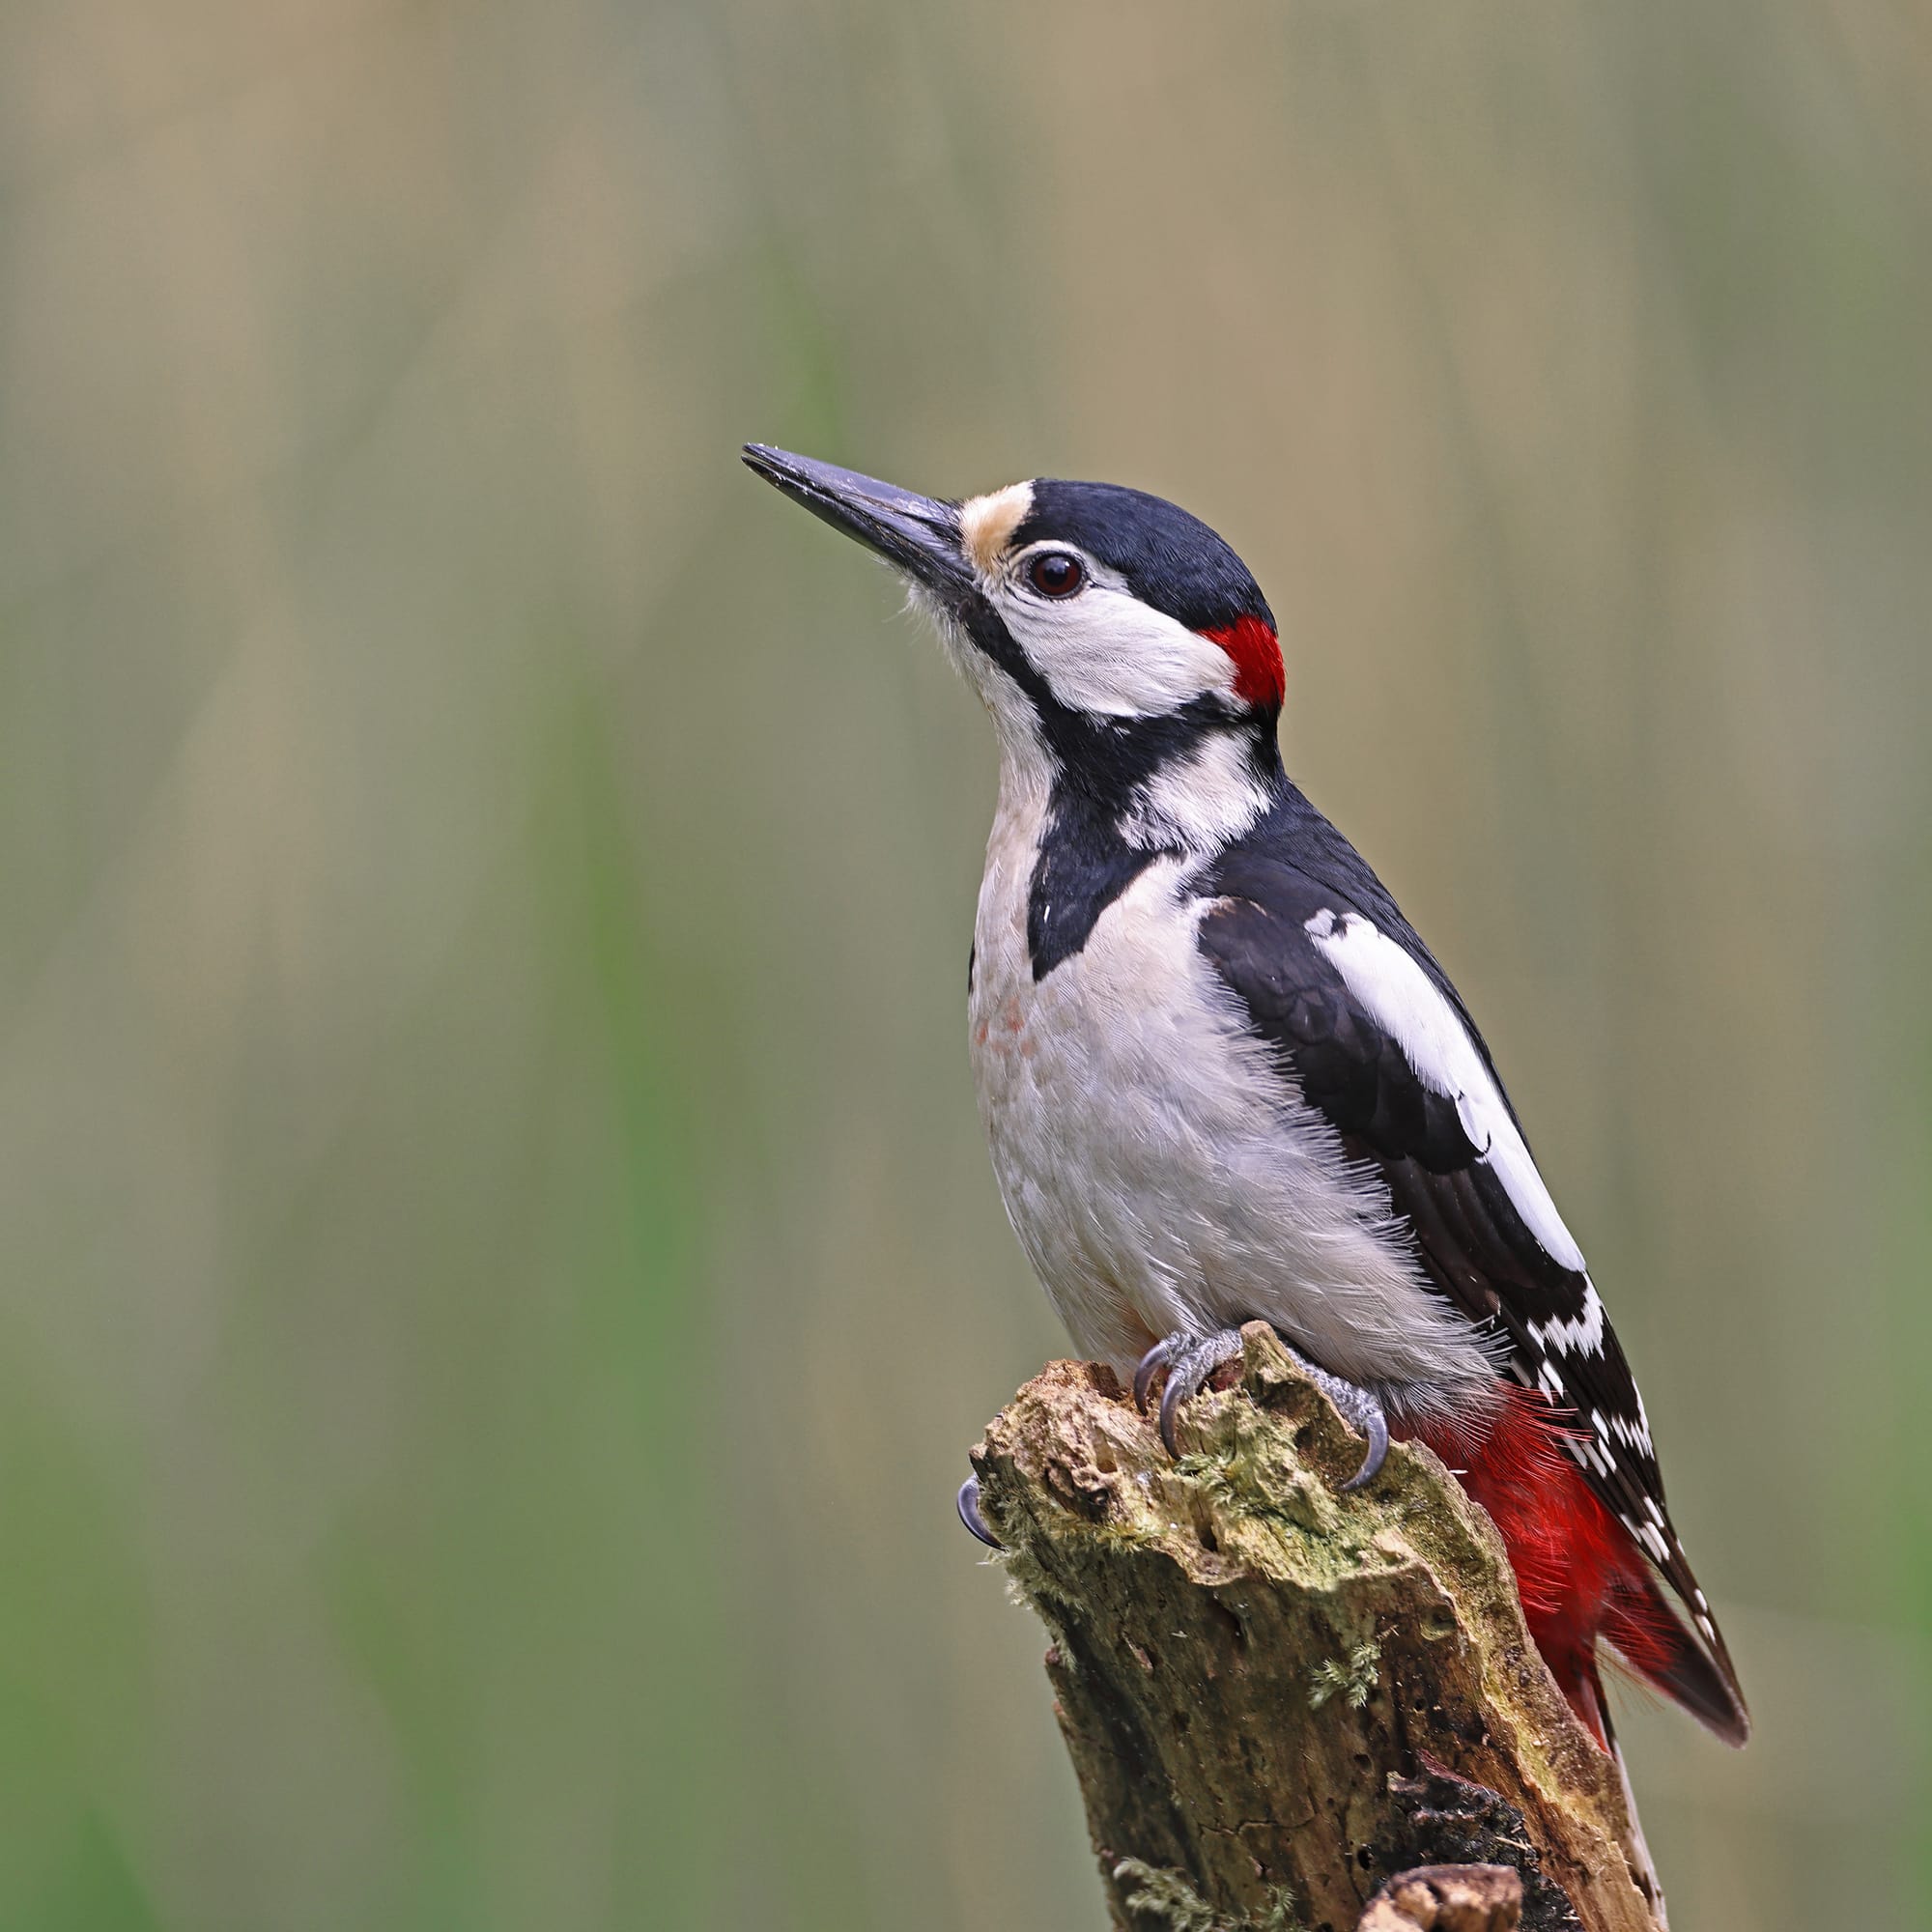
[
  {"x": 1155, "y": 1360},
  {"x": 1171, "y": 1397},
  {"x": 1376, "y": 1427},
  {"x": 969, "y": 1512}
]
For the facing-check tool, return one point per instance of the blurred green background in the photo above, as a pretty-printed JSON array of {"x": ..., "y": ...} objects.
[{"x": 499, "y": 1268}]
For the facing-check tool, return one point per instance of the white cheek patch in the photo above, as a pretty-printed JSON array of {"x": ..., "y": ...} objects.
[
  {"x": 1403, "y": 1001},
  {"x": 1105, "y": 651}
]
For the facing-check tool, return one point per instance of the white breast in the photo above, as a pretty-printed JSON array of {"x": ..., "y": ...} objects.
[{"x": 1156, "y": 1169}]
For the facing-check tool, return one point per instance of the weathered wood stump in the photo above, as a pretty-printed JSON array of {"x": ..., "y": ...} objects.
[{"x": 1277, "y": 1697}]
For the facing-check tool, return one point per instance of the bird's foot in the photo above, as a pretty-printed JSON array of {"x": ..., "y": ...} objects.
[
  {"x": 969, "y": 1513},
  {"x": 1190, "y": 1359},
  {"x": 1358, "y": 1408}
]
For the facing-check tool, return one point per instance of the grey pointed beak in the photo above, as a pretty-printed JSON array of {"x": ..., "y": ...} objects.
[{"x": 919, "y": 535}]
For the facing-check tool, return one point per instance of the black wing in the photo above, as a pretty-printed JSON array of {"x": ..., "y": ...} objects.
[{"x": 1470, "y": 1237}]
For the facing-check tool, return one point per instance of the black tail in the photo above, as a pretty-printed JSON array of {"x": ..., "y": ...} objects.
[{"x": 1651, "y": 1641}]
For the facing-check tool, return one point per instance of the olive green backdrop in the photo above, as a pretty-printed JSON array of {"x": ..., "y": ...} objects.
[{"x": 498, "y": 1269}]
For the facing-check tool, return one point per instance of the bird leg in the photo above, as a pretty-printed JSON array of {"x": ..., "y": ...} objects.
[
  {"x": 1190, "y": 1359},
  {"x": 1358, "y": 1408}
]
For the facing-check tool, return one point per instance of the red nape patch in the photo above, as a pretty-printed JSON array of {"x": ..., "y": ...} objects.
[
  {"x": 1256, "y": 652},
  {"x": 1578, "y": 1571}
]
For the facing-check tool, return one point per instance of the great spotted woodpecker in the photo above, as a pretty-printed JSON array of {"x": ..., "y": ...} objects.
[{"x": 1224, "y": 1079}]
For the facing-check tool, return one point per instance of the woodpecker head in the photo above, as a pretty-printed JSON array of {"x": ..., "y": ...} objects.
[{"x": 1124, "y": 650}]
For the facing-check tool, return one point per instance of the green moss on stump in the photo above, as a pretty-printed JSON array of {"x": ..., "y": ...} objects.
[{"x": 1252, "y": 1669}]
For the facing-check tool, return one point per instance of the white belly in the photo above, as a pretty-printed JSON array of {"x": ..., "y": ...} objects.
[{"x": 1156, "y": 1170}]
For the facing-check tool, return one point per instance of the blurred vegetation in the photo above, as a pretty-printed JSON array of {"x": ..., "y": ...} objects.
[{"x": 499, "y": 1268}]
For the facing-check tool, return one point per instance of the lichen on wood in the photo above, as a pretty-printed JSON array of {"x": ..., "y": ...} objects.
[{"x": 1277, "y": 1695}]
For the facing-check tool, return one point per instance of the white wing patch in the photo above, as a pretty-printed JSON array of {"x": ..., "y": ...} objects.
[{"x": 1403, "y": 1001}]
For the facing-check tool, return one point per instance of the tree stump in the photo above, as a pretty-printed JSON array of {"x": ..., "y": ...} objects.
[{"x": 1278, "y": 1697}]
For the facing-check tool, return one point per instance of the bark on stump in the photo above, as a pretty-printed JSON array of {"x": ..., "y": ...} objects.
[{"x": 1278, "y": 1697}]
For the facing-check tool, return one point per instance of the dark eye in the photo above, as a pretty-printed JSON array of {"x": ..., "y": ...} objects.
[{"x": 1055, "y": 574}]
